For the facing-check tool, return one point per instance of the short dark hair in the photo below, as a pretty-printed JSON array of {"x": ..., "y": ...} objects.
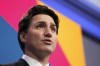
[{"x": 24, "y": 23}]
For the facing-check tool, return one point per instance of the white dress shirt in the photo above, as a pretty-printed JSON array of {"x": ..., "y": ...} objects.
[{"x": 31, "y": 61}]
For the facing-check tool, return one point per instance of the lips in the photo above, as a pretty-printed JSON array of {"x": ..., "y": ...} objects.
[{"x": 47, "y": 41}]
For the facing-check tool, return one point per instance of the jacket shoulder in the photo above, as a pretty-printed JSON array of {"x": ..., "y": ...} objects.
[{"x": 20, "y": 62}]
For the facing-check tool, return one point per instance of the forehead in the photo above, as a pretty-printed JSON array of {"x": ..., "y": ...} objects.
[{"x": 42, "y": 18}]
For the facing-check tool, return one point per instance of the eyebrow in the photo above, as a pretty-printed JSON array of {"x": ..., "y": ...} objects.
[
  {"x": 53, "y": 24},
  {"x": 41, "y": 22},
  {"x": 45, "y": 22}
]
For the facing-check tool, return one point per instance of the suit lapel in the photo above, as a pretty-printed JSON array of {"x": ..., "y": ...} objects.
[{"x": 22, "y": 62}]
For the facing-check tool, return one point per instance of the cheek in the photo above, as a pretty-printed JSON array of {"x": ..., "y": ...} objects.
[
  {"x": 55, "y": 39},
  {"x": 32, "y": 37}
]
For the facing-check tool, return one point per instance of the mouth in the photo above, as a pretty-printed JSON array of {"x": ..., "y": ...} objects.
[{"x": 47, "y": 41}]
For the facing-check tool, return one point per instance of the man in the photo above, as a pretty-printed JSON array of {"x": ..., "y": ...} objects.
[{"x": 37, "y": 36}]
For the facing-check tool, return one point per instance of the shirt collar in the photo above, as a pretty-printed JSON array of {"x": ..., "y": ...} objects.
[{"x": 32, "y": 61}]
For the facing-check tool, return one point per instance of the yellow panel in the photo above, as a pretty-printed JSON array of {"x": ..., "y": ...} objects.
[{"x": 70, "y": 39}]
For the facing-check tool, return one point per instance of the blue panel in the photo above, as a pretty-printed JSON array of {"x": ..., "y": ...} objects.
[
  {"x": 86, "y": 24},
  {"x": 9, "y": 47},
  {"x": 86, "y": 2}
]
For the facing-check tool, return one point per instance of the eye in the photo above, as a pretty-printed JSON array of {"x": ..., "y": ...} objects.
[
  {"x": 53, "y": 28},
  {"x": 40, "y": 26}
]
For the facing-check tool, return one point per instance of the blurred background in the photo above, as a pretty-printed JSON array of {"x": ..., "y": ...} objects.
[{"x": 79, "y": 31}]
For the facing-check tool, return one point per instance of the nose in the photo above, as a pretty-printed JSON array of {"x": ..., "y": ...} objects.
[{"x": 47, "y": 33}]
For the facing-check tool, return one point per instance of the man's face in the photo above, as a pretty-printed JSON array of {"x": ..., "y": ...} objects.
[{"x": 41, "y": 34}]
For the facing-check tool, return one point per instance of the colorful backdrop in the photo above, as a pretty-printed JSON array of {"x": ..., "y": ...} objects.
[{"x": 78, "y": 21}]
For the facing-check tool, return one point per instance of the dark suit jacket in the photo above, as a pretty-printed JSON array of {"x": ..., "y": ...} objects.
[{"x": 20, "y": 62}]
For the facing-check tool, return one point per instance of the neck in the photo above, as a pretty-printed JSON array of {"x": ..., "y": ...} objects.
[{"x": 39, "y": 56}]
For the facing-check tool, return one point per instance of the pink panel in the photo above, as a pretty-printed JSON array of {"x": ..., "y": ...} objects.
[
  {"x": 12, "y": 10},
  {"x": 58, "y": 58}
]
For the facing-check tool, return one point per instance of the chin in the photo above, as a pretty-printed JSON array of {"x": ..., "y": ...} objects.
[{"x": 50, "y": 50}]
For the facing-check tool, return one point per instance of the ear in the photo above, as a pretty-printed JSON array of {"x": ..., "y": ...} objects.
[{"x": 23, "y": 37}]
